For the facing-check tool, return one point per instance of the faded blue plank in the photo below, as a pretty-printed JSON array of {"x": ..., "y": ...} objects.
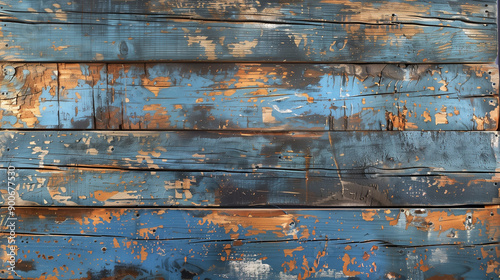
[
  {"x": 108, "y": 187},
  {"x": 252, "y": 96},
  {"x": 236, "y": 168},
  {"x": 305, "y": 97},
  {"x": 330, "y": 32},
  {"x": 257, "y": 244},
  {"x": 364, "y": 152}
]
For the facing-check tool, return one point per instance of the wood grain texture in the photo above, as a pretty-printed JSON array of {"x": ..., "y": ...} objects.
[
  {"x": 240, "y": 169},
  {"x": 79, "y": 86},
  {"x": 110, "y": 187},
  {"x": 328, "y": 31},
  {"x": 276, "y": 97},
  {"x": 29, "y": 95},
  {"x": 305, "y": 97},
  {"x": 257, "y": 244}
]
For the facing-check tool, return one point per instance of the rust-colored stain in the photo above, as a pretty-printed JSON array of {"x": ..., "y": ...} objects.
[
  {"x": 291, "y": 265},
  {"x": 103, "y": 196},
  {"x": 254, "y": 222},
  {"x": 148, "y": 231},
  {"x": 368, "y": 215},
  {"x": 492, "y": 267},
  {"x": 347, "y": 260},
  {"x": 156, "y": 84}
]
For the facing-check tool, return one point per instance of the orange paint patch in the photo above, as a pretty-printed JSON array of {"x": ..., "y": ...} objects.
[
  {"x": 349, "y": 273},
  {"x": 144, "y": 254},
  {"x": 368, "y": 215},
  {"x": 115, "y": 243},
  {"x": 156, "y": 84},
  {"x": 443, "y": 181},
  {"x": 366, "y": 256},
  {"x": 103, "y": 196},
  {"x": 145, "y": 232},
  {"x": 492, "y": 264},
  {"x": 274, "y": 221},
  {"x": 309, "y": 98},
  {"x": 291, "y": 265},
  {"x": 289, "y": 252}
]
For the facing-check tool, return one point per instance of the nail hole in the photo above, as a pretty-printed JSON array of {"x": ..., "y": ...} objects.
[
  {"x": 402, "y": 210},
  {"x": 103, "y": 249}
]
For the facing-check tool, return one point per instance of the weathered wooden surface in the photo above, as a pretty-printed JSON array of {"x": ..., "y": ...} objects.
[
  {"x": 84, "y": 243},
  {"x": 298, "y": 96},
  {"x": 250, "y": 96},
  {"x": 29, "y": 95},
  {"x": 99, "y": 114},
  {"x": 330, "y": 31},
  {"x": 241, "y": 151},
  {"x": 79, "y": 89},
  {"x": 240, "y": 169},
  {"x": 315, "y": 187}
]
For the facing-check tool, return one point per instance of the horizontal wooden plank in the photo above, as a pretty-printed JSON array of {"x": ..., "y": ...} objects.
[
  {"x": 252, "y": 96},
  {"x": 236, "y": 168},
  {"x": 306, "y": 97},
  {"x": 241, "y": 151},
  {"x": 111, "y": 187},
  {"x": 255, "y": 244},
  {"x": 329, "y": 31},
  {"x": 29, "y": 95}
]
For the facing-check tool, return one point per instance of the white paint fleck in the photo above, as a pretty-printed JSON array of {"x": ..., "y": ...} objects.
[
  {"x": 281, "y": 111},
  {"x": 249, "y": 269}
]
